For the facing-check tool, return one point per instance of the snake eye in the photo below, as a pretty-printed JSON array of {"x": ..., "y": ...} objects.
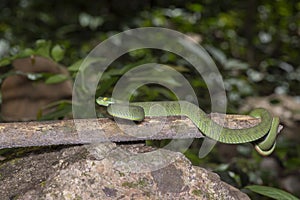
[{"x": 105, "y": 98}]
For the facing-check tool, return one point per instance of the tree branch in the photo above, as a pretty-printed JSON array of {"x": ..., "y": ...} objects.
[{"x": 84, "y": 131}]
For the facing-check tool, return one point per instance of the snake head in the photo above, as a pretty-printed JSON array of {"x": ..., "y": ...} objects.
[{"x": 104, "y": 101}]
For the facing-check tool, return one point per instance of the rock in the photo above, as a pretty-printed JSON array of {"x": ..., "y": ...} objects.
[{"x": 110, "y": 171}]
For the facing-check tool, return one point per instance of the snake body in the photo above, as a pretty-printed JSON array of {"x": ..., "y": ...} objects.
[{"x": 263, "y": 134}]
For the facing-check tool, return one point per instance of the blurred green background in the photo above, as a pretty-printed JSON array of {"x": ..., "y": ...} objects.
[{"x": 255, "y": 45}]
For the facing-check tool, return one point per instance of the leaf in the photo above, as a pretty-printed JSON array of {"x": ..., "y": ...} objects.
[
  {"x": 84, "y": 19},
  {"x": 235, "y": 64},
  {"x": 4, "y": 62},
  {"x": 43, "y": 48},
  {"x": 62, "y": 109},
  {"x": 25, "y": 53},
  {"x": 34, "y": 76},
  {"x": 196, "y": 7},
  {"x": 57, "y": 53},
  {"x": 271, "y": 192},
  {"x": 84, "y": 63},
  {"x": 75, "y": 66},
  {"x": 56, "y": 79},
  {"x": 217, "y": 54}
]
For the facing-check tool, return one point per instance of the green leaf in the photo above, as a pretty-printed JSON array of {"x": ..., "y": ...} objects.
[
  {"x": 57, "y": 53},
  {"x": 217, "y": 54},
  {"x": 43, "y": 48},
  {"x": 4, "y": 62},
  {"x": 83, "y": 63},
  {"x": 75, "y": 66},
  {"x": 62, "y": 108},
  {"x": 34, "y": 76},
  {"x": 196, "y": 7},
  {"x": 56, "y": 79},
  {"x": 27, "y": 52},
  {"x": 271, "y": 192},
  {"x": 235, "y": 64}
]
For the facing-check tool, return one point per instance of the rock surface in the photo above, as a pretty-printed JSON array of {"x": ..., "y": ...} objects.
[{"x": 110, "y": 171}]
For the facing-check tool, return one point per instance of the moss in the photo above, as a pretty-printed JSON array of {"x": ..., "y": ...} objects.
[
  {"x": 140, "y": 183},
  {"x": 15, "y": 197},
  {"x": 43, "y": 183},
  {"x": 14, "y": 161},
  {"x": 121, "y": 174},
  {"x": 197, "y": 192},
  {"x": 78, "y": 198},
  {"x": 129, "y": 184}
]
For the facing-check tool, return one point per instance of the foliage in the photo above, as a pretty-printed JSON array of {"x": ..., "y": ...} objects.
[
  {"x": 271, "y": 192},
  {"x": 45, "y": 49},
  {"x": 42, "y": 48}
]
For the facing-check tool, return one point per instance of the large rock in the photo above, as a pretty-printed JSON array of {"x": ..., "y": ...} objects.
[{"x": 108, "y": 171}]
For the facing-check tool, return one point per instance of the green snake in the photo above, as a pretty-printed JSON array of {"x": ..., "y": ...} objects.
[{"x": 262, "y": 135}]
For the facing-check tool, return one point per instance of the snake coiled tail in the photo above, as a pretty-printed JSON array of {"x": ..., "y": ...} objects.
[{"x": 262, "y": 135}]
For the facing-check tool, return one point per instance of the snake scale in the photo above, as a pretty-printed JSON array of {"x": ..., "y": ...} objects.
[{"x": 262, "y": 135}]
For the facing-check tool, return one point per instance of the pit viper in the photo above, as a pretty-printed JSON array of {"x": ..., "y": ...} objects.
[{"x": 262, "y": 135}]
